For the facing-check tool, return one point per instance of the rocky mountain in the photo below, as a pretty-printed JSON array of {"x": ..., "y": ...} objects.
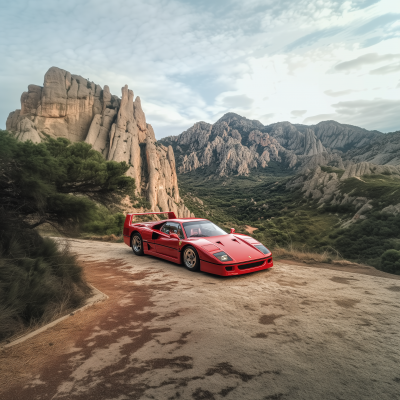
[
  {"x": 75, "y": 108},
  {"x": 235, "y": 145}
]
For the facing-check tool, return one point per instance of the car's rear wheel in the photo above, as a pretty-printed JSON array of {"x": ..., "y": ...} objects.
[
  {"x": 137, "y": 244},
  {"x": 191, "y": 259}
]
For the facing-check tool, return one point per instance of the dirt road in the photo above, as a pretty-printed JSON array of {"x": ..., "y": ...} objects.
[{"x": 291, "y": 332}]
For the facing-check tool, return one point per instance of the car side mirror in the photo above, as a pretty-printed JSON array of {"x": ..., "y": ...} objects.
[
  {"x": 232, "y": 230},
  {"x": 173, "y": 236}
]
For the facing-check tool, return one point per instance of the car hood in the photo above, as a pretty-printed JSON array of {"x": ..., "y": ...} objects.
[{"x": 239, "y": 249}]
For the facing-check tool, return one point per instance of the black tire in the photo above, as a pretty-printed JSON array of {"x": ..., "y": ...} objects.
[
  {"x": 191, "y": 259},
  {"x": 137, "y": 244}
]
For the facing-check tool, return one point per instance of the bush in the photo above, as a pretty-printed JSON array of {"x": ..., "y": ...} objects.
[
  {"x": 104, "y": 223},
  {"x": 38, "y": 278},
  {"x": 391, "y": 261}
]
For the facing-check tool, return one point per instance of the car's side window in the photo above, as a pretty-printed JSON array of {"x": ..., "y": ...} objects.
[
  {"x": 166, "y": 228},
  {"x": 180, "y": 232},
  {"x": 172, "y": 227}
]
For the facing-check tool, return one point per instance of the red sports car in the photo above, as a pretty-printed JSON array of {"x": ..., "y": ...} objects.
[{"x": 198, "y": 243}]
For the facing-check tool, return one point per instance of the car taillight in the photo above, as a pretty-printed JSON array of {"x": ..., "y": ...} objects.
[{"x": 126, "y": 231}]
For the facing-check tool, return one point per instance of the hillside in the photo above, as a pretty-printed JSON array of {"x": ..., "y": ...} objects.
[
  {"x": 385, "y": 149},
  {"x": 72, "y": 107}
]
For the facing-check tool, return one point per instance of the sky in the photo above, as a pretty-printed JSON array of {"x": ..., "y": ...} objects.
[{"x": 195, "y": 60}]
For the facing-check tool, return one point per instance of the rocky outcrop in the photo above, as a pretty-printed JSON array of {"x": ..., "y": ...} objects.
[
  {"x": 325, "y": 186},
  {"x": 324, "y": 158},
  {"x": 72, "y": 107},
  {"x": 385, "y": 150},
  {"x": 334, "y": 135},
  {"x": 301, "y": 142},
  {"x": 235, "y": 145},
  {"x": 392, "y": 209},
  {"x": 364, "y": 168}
]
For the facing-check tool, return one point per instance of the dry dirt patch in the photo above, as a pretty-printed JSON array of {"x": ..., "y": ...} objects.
[
  {"x": 290, "y": 332},
  {"x": 250, "y": 229}
]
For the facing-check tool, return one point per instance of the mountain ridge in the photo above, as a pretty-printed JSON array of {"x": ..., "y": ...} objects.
[{"x": 235, "y": 144}]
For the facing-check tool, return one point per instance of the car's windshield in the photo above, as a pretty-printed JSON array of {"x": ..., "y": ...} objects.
[{"x": 202, "y": 229}]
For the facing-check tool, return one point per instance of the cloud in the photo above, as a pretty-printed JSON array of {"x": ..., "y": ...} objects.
[
  {"x": 319, "y": 117},
  {"x": 298, "y": 113},
  {"x": 194, "y": 60},
  {"x": 266, "y": 118},
  {"x": 387, "y": 69},
  {"x": 339, "y": 93},
  {"x": 379, "y": 114},
  {"x": 312, "y": 38},
  {"x": 366, "y": 59},
  {"x": 377, "y": 23},
  {"x": 238, "y": 101}
]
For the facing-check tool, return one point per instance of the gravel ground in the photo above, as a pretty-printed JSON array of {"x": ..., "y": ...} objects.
[{"x": 291, "y": 332}]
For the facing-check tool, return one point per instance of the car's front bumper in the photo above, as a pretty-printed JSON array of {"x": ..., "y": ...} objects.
[{"x": 238, "y": 268}]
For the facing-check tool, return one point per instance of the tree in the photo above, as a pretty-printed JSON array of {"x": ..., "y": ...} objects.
[{"x": 57, "y": 182}]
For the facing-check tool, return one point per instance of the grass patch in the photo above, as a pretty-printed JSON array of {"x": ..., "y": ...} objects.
[{"x": 300, "y": 254}]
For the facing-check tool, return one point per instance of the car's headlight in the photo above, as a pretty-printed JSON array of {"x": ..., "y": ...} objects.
[
  {"x": 262, "y": 248},
  {"x": 222, "y": 256}
]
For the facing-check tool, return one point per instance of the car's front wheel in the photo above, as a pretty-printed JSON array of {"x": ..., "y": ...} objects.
[
  {"x": 191, "y": 259},
  {"x": 137, "y": 244}
]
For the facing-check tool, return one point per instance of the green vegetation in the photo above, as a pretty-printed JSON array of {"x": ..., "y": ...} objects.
[
  {"x": 391, "y": 261},
  {"x": 58, "y": 182},
  {"x": 105, "y": 223},
  {"x": 260, "y": 201},
  {"x": 328, "y": 169},
  {"x": 39, "y": 279},
  {"x": 68, "y": 186},
  {"x": 382, "y": 189},
  {"x": 372, "y": 241}
]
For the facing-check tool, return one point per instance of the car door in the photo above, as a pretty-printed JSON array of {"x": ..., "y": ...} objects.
[{"x": 169, "y": 246}]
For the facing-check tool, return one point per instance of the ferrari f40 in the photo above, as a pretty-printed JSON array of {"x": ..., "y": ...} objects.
[{"x": 197, "y": 243}]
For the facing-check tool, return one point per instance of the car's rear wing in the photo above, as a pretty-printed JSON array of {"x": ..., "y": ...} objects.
[
  {"x": 129, "y": 216},
  {"x": 171, "y": 214}
]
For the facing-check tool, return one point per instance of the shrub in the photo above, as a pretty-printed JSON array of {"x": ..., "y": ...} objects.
[
  {"x": 390, "y": 261},
  {"x": 38, "y": 278}
]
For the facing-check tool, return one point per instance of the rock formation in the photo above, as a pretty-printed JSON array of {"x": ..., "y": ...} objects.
[
  {"x": 324, "y": 186},
  {"x": 385, "y": 150},
  {"x": 364, "y": 168},
  {"x": 343, "y": 137},
  {"x": 72, "y": 107},
  {"x": 235, "y": 145}
]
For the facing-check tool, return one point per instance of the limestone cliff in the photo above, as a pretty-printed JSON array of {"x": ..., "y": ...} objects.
[{"x": 72, "y": 107}]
